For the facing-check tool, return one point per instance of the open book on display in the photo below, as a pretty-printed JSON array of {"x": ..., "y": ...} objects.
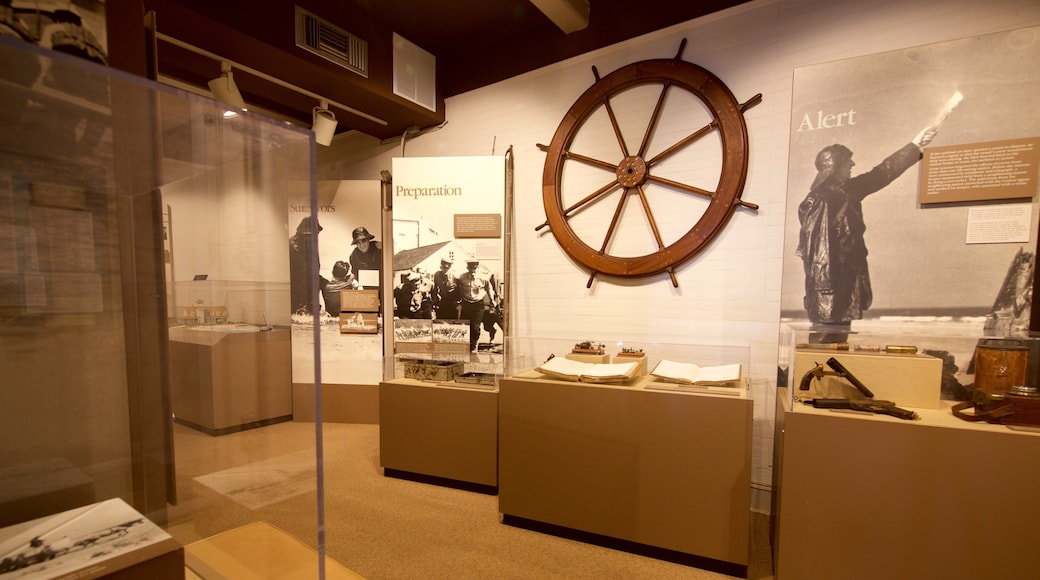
[
  {"x": 691, "y": 374},
  {"x": 572, "y": 370}
]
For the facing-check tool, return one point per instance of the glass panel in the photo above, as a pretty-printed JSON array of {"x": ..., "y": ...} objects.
[{"x": 144, "y": 303}]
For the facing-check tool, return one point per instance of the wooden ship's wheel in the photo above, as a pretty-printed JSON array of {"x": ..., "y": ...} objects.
[{"x": 637, "y": 171}]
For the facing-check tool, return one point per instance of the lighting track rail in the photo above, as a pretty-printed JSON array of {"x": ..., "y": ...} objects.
[{"x": 216, "y": 57}]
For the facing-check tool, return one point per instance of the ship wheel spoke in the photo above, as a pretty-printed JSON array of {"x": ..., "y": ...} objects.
[
  {"x": 587, "y": 199},
  {"x": 654, "y": 118},
  {"x": 589, "y": 160},
  {"x": 696, "y": 190},
  {"x": 610, "y": 229},
  {"x": 682, "y": 143},
  {"x": 613, "y": 118},
  {"x": 657, "y": 232},
  {"x": 650, "y": 217},
  {"x": 583, "y": 158}
]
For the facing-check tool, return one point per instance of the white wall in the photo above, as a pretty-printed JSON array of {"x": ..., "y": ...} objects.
[
  {"x": 731, "y": 292},
  {"x": 230, "y": 223}
]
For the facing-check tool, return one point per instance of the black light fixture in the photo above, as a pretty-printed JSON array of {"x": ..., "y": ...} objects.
[
  {"x": 324, "y": 125},
  {"x": 226, "y": 91}
]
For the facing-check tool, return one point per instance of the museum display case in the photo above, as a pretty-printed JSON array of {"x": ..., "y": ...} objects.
[
  {"x": 658, "y": 465},
  {"x": 906, "y": 487},
  {"x": 438, "y": 419},
  {"x": 919, "y": 364},
  {"x": 114, "y": 190},
  {"x": 442, "y": 432}
]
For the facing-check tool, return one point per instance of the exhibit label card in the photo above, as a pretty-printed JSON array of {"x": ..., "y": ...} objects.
[
  {"x": 480, "y": 225},
  {"x": 979, "y": 171},
  {"x": 359, "y": 300},
  {"x": 999, "y": 224}
]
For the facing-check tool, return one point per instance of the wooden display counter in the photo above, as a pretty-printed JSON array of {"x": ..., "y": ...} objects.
[
  {"x": 439, "y": 431},
  {"x": 223, "y": 382},
  {"x": 873, "y": 496},
  {"x": 667, "y": 472}
]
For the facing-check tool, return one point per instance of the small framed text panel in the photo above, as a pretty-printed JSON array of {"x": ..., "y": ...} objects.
[{"x": 478, "y": 225}]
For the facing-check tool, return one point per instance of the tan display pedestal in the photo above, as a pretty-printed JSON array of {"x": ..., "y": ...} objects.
[
  {"x": 662, "y": 469},
  {"x": 258, "y": 551},
  {"x": 226, "y": 382},
  {"x": 440, "y": 431},
  {"x": 872, "y": 496}
]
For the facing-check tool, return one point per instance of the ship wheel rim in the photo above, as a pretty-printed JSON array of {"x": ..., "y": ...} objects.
[{"x": 728, "y": 115}]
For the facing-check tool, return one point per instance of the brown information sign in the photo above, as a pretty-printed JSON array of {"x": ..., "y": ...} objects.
[
  {"x": 359, "y": 300},
  {"x": 478, "y": 225},
  {"x": 980, "y": 171}
]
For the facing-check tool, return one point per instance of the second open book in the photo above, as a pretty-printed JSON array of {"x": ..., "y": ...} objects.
[
  {"x": 691, "y": 374},
  {"x": 666, "y": 370}
]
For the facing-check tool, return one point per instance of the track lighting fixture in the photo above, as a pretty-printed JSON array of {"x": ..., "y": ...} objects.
[
  {"x": 568, "y": 15},
  {"x": 225, "y": 90},
  {"x": 325, "y": 123}
]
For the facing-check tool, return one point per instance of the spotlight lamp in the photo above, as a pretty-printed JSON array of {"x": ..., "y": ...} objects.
[
  {"x": 325, "y": 123},
  {"x": 225, "y": 90}
]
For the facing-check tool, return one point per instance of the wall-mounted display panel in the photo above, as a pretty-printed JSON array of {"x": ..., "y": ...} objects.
[{"x": 943, "y": 187}]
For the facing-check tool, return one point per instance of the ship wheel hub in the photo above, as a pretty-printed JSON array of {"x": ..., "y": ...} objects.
[{"x": 631, "y": 172}]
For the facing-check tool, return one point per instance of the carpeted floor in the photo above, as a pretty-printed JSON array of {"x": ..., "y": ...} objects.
[{"x": 382, "y": 527}]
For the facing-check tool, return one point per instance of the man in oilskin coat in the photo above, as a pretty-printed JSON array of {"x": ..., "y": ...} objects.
[{"x": 830, "y": 243}]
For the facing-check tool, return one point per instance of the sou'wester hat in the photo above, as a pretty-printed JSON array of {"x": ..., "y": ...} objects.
[{"x": 362, "y": 234}]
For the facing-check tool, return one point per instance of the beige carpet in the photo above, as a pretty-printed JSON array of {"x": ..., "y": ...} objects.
[{"x": 386, "y": 528}]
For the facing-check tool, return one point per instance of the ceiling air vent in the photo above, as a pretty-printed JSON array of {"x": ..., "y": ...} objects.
[{"x": 331, "y": 42}]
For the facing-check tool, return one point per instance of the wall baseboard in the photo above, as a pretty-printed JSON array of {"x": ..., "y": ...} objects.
[{"x": 340, "y": 403}]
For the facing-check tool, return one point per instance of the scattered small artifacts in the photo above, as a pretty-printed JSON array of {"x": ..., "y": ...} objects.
[
  {"x": 589, "y": 347},
  {"x": 432, "y": 370},
  {"x": 869, "y": 404},
  {"x": 818, "y": 372},
  {"x": 866, "y": 405},
  {"x": 824, "y": 345},
  {"x": 475, "y": 378},
  {"x": 1019, "y": 406},
  {"x": 631, "y": 352}
]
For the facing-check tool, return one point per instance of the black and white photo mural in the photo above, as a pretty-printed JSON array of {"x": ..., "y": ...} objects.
[
  {"x": 349, "y": 247},
  {"x": 911, "y": 203},
  {"x": 449, "y": 256}
]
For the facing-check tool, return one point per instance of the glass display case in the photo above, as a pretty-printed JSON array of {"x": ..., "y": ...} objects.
[
  {"x": 927, "y": 365},
  {"x": 654, "y": 460},
  {"x": 115, "y": 194},
  {"x": 904, "y": 448},
  {"x": 528, "y": 353}
]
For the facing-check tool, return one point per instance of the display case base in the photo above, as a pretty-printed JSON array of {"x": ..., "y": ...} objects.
[
  {"x": 233, "y": 428},
  {"x": 441, "y": 481},
  {"x": 674, "y": 556},
  {"x": 871, "y": 496}
]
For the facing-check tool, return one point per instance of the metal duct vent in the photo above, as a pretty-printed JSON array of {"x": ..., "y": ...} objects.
[{"x": 331, "y": 42}]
